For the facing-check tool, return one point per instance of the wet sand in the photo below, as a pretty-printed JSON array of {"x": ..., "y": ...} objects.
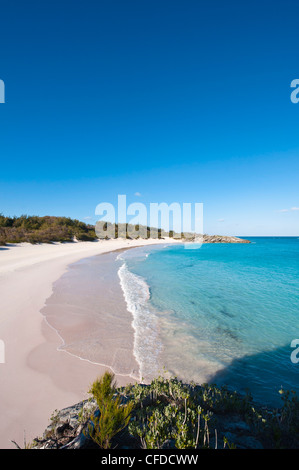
[{"x": 88, "y": 311}]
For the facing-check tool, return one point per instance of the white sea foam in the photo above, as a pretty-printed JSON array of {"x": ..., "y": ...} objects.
[{"x": 147, "y": 346}]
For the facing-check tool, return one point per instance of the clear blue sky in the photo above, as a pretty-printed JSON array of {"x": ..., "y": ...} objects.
[{"x": 181, "y": 100}]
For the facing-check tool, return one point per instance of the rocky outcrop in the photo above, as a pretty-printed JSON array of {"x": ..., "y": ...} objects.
[
  {"x": 225, "y": 419},
  {"x": 214, "y": 239},
  {"x": 68, "y": 430},
  {"x": 223, "y": 239}
]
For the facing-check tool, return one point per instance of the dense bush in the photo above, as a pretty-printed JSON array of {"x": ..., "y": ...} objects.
[{"x": 34, "y": 229}]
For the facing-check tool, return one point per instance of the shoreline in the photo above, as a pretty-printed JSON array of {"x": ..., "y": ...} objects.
[
  {"x": 147, "y": 346},
  {"x": 69, "y": 289},
  {"x": 35, "y": 378}
]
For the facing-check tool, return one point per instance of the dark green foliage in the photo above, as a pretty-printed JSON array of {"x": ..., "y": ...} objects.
[
  {"x": 289, "y": 416},
  {"x": 103, "y": 389},
  {"x": 125, "y": 230},
  {"x": 34, "y": 229},
  {"x": 202, "y": 416},
  {"x": 112, "y": 416},
  {"x": 168, "y": 411},
  {"x": 170, "y": 414},
  {"x": 222, "y": 400}
]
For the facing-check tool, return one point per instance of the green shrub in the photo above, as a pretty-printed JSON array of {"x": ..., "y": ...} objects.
[
  {"x": 112, "y": 416},
  {"x": 168, "y": 410},
  {"x": 34, "y": 229}
]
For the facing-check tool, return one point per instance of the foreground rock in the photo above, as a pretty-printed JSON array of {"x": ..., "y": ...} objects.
[{"x": 69, "y": 429}]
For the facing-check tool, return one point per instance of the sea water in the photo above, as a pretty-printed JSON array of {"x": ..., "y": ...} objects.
[{"x": 222, "y": 313}]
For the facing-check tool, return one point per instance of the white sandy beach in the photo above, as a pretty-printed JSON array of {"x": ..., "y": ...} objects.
[{"x": 36, "y": 378}]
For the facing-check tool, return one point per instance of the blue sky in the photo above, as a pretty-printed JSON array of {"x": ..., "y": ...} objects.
[{"x": 179, "y": 101}]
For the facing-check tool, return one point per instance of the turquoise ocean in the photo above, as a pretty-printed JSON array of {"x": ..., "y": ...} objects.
[{"x": 222, "y": 313}]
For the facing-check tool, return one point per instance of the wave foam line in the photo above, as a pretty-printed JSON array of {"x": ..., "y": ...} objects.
[
  {"x": 147, "y": 346},
  {"x": 63, "y": 346}
]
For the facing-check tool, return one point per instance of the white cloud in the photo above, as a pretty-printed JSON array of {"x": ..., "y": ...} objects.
[
  {"x": 87, "y": 218},
  {"x": 137, "y": 194},
  {"x": 221, "y": 220},
  {"x": 288, "y": 210}
]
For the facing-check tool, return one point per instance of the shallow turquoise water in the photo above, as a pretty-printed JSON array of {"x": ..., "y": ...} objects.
[{"x": 224, "y": 313}]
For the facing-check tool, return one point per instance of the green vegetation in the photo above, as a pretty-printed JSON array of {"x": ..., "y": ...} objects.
[
  {"x": 125, "y": 230},
  {"x": 112, "y": 416},
  {"x": 182, "y": 415},
  {"x": 188, "y": 416},
  {"x": 34, "y": 229},
  {"x": 202, "y": 416},
  {"x": 169, "y": 414}
]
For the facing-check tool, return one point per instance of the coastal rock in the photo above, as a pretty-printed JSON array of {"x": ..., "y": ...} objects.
[
  {"x": 249, "y": 442},
  {"x": 79, "y": 442},
  {"x": 223, "y": 239},
  {"x": 169, "y": 444},
  {"x": 234, "y": 424},
  {"x": 68, "y": 428},
  {"x": 214, "y": 239},
  {"x": 243, "y": 441},
  {"x": 64, "y": 427}
]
